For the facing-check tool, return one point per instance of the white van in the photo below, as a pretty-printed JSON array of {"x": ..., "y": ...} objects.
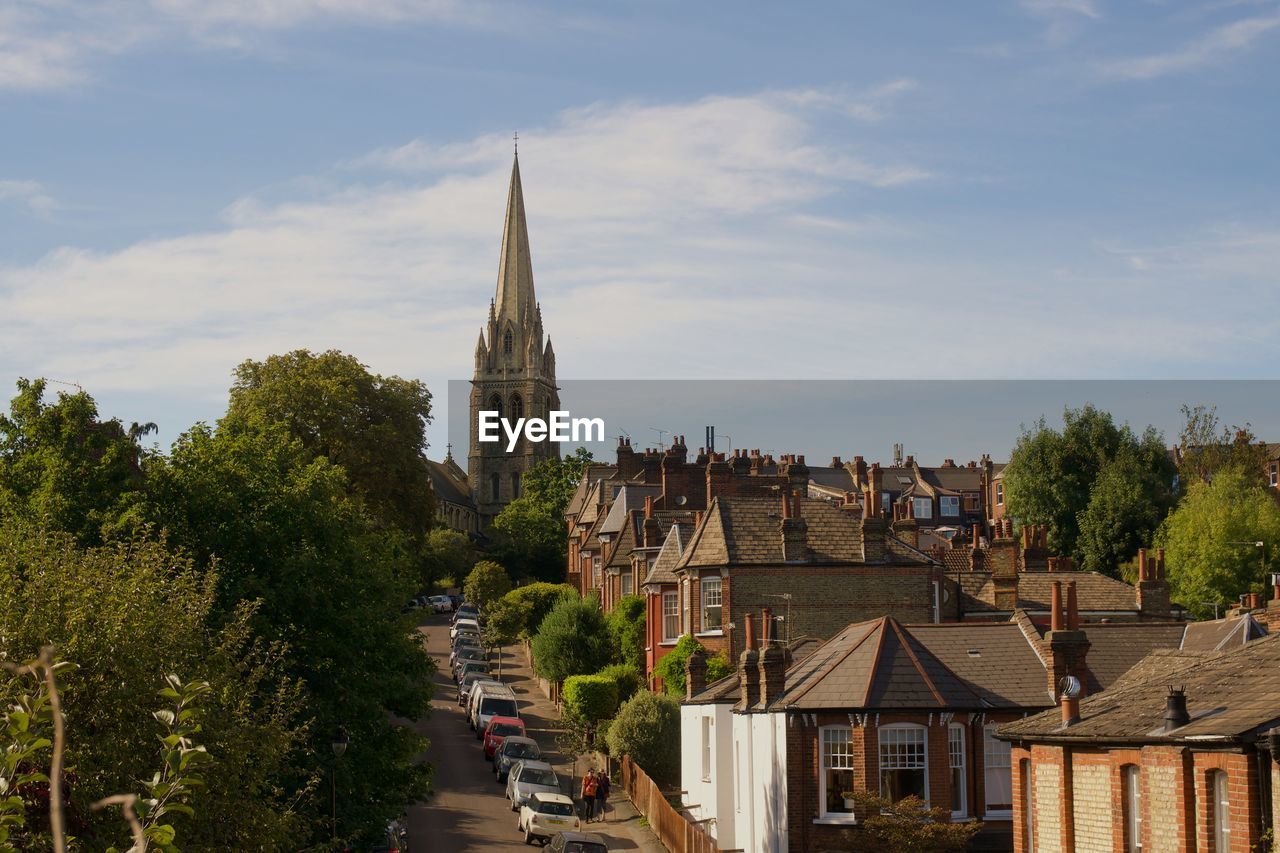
[{"x": 488, "y": 701}]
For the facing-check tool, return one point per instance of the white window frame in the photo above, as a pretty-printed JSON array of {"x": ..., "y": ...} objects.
[
  {"x": 999, "y": 494},
  {"x": 895, "y": 731},
  {"x": 957, "y": 759},
  {"x": 597, "y": 570},
  {"x": 686, "y": 606},
  {"x": 712, "y": 588},
  {"x": 826, "y": 761},
  {"x": 1220, "y": 798},
  {"x": 708, "y": 724},
  {"x": 943, "y": 502},
  {"x": 628, "y": 584},
  {"x": 670, "y": 607},
  {"x": 922, "y": 507},
  {"x": 1131, "y": 787},
  {"x": 996, "y": 755}
]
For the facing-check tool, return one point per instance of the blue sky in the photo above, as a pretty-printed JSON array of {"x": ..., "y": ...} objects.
[{"x": 1023, "y": 188}]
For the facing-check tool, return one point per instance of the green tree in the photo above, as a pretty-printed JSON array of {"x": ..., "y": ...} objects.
[
  {"x": 1126, "y": 505},
  {"x": 531, "y": 603},
  {"x": 626, "y": 630},
  {"x": 129, "y": 614},
  {"x": 910, "y": 825},
  {"x": 627, "y": 677},
  {"x": 62, "y": 466},
  {"x": 671, "y": 669},
  {"x": 487, "y": 583},
  {"x": 449, "y": 556},
  {"x": 1207, "y": 446},
  {"x": 572, "y": 640},
  {"x": 647, "y": 728},
  {"x": 529, "y": 534},
  {"x": 284, "y": 528},
  {"x": 371, "y": 426},
  {"x": 1205, "y": 563},
  {"x": 1050, "y": 476},
  {"x": 590, "y": 698}
]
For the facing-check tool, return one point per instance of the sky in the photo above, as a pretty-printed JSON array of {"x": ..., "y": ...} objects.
[{"x": 1050, "y": 189}]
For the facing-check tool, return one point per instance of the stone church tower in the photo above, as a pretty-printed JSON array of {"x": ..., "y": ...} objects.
[{"x": 515, "y": 372}]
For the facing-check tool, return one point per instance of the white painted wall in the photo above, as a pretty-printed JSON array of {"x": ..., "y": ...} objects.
[
  {"x": 760, "y": 744},
  {"x": 712, "y": 796}
]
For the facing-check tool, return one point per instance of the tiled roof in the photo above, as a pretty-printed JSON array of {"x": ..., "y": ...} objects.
[
  {"x": 1229, "y": 694},
  {"x": 1221, "y": 634},
  {"x": 663, "y": 568},
  {"x": 630, "y": 498},
  {"x": 449, "y": 484},
  {"x": 1095, "y": 592},
  {"x": 592, "y": 474},
  {"x": 1115, "y": 647},
  {"x": 748, "y": 531},
  {"x": 620, "y": 558}
]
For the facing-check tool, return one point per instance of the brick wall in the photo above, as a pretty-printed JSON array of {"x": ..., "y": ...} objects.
[
  {"x": 1091, "y": 806},
  {"x": 1047, "y": 770}
]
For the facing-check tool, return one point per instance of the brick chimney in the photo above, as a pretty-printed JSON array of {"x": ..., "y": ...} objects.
[
  {"x": 773, "y": 662},
  {"x": 1035, "y": 547},
  {"x": 718, "y": 477},
  {"x": 1068, "y": 645},
  {"x": 797, "y": 475},
  {"x": 836, "y": 462},
  {"x": 749, "y": 666},
  {"x": 905, "y": 526},
  {"x": 741, "y": 463},
  {"x": 1002, "y": 561},
  {"x": 695, "y": 673},
  {"x": 651, "y": 462},
  {"x": 795, "y": 530},
  {"x": 652, "y": 532},
  {"x": 859, "y": 474},
  {"x": 1152, "y": 590},
  {"x": 628, "y": 464},
  {"x": 875, "y": 485}
]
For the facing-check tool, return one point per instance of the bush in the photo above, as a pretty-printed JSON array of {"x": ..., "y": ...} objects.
[
  {"x": 571, "y": 640},
  {"x": 909, "y": 824},
  {"x": 625, "y": 676},
  {"x": 590, "y": 698},
  {"x": 533, "y": 602},
  {"x": 487, "y": 583},
  {"x": 626, "y": 630},
  {"x": 648, "y": 729},
  {"x": 671, "y": 668}
]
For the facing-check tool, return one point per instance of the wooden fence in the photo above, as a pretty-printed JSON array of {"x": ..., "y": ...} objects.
[{"x": 675, "y": 831}]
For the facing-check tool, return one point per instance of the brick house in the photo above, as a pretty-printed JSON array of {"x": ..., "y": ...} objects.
[
  {"x": 1179, "y": 755},
  {"x": 896, "y": 708}
]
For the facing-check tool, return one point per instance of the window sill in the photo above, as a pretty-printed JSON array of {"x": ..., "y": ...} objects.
[
  {"x": 998, "y": 815},
  {"x": 668, "y": 643},
  {"x": 714, "y": 633},
  {"x": 843, "y": 820}
]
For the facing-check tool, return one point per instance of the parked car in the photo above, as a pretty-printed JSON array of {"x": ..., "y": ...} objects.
[
  {"x": 465, "y": 642},
  {"x": 498, "y": 729},
  {"x": 490, "y": 700},
  {"x": 467, "y": 611},
  {"x": 578, "y": 842},
  {"x": 512, "y": 752},
  {"x": 463, "y": 655},
  {"x": 545, "y": 815},
  {"x": 441, "y": 603},
  {"x": 455, "y": 600},
  {"x": 468, "y": 684},
  {"x": 530, "y": 777},
  {"x": 464, "y": 626},
  {"x": 468, "y": 667}
]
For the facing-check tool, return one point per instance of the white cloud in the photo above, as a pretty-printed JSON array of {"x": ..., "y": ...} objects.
[
  {"x": 1083, "y": 8},
  {"x": 49, "y": 44},
  {"x": 685, "y": 239},
  {"x": 1219, "y": 44},
  {"x": 29, "y": 195}
]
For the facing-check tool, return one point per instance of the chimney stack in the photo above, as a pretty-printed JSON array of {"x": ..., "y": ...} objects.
[
  {"x": 1068, "y": 645},
  {"x": 795, "y": 531},
  {"x": 749, "y": 666},
  {"x": 695, "y": 673},
  {"x": 1152, "y": 590},
  {"x": 773, "y": 662}
]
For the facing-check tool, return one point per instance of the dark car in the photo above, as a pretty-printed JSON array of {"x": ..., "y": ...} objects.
[
  {"x": 578, "y": 842},
  {"x": 456, "y": 601}
]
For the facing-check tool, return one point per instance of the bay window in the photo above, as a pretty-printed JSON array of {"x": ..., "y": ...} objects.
[
  {"x": 922, "y": 507},
  {"x": 711, "y": 591}
]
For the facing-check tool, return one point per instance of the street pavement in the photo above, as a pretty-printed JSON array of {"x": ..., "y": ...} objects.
[{"x": 468, "y": 809}]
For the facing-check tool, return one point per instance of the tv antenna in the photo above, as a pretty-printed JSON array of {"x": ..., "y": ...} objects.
[{"x": 662, "y": 437}]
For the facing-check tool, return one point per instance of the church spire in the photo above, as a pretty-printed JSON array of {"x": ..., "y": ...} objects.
[{"x": 515, "y": 271}]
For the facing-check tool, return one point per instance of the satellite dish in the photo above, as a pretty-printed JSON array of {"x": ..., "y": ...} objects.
[
  {"x": 681, "y": 500},
  {"x": 1068, "y": 687}
]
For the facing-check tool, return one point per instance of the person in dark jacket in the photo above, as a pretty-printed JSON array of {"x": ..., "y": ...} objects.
[{"x": 602, "y": 794}]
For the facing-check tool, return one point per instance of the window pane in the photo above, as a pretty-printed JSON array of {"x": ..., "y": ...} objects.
[
  {"x": 902, "y": 763},
  {"x": 670, "y": 615},
  {"x": 923, "y": 507},
  {"x": 711, "y": 597},
  {"x": 955, "y": 751},
  {"x": 998, "y": 775},
  {"x": 837, "y": 767},
  {"x": 949, "y": 504}
]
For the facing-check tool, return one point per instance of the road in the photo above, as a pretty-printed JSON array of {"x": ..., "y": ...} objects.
[{"x": 468, "y": 811}]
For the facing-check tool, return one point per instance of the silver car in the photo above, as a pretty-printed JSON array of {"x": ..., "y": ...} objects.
[
  {"x": 469, "y": 682},
  {"x": 512, "y": 752},
  {"x": 528, "y": 778}
]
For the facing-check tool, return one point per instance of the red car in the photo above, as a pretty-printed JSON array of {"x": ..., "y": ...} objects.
[{"x": 498, "y": 730}]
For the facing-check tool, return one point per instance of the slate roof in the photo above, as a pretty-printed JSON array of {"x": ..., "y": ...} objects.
[
  {"x": 630, "y": 498},
  {"x": 592, "y": 473},
  {"x": 1095, "y": 592},
  {"x": 1116, "y": 647},
  {"x": 747, "y": 531},
  {"x": 1221, "y": 634},
  {"x": 626, "y": 542},
  {"x": 1230, "y": 695},
  {"x": 663, "y": 568},
  {"x": 449, "y": 483}
]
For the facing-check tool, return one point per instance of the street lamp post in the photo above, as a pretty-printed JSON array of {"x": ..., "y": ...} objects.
[{"x": 339, "y": 743}]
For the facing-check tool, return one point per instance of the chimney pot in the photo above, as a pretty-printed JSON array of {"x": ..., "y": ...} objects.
[
  {"x": 1175, "y": 709},
  {"x": 1055, "y": 608},
  {"x": 1073, "y": 612}
]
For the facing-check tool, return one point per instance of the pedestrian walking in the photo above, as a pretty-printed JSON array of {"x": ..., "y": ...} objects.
[
  {"x": 602, "y": 794},
  {"x": 588, "y": 794}
]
